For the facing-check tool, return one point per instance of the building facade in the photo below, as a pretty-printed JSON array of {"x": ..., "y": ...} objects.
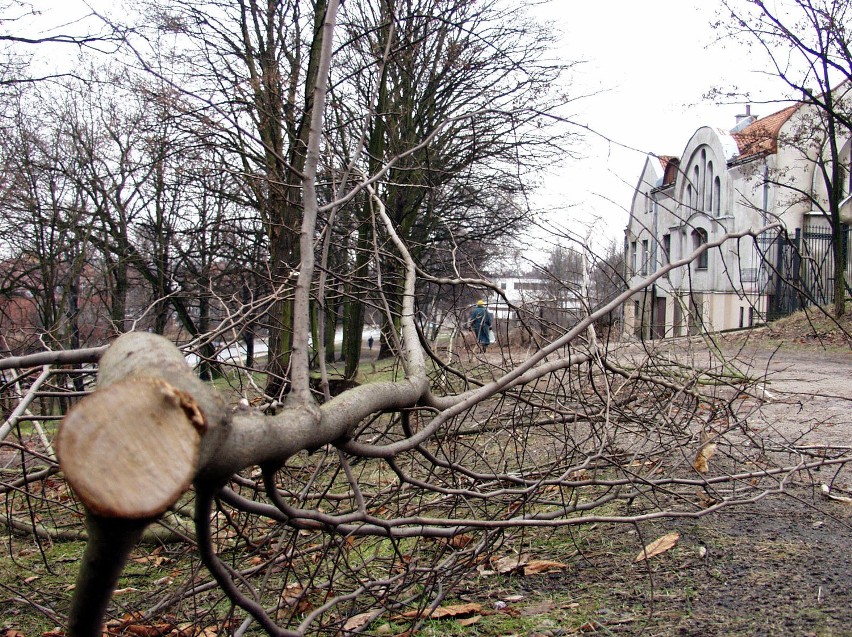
[{"x": 763, "y": 171}]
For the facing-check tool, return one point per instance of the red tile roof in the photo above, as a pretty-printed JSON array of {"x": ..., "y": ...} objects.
[{"x": 761, "y": 137}]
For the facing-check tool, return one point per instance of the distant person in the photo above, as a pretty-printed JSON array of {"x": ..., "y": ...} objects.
[
  {"x": 370, "y": 342},
  {"x": 480, "y": 323}
]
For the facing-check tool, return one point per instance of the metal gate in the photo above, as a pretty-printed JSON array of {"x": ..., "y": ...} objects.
[{"x": 803, "y": 269}]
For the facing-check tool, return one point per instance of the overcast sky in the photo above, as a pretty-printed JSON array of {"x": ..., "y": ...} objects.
[
  {"x": 646, "y": 66},
  {"x": 649, "y": 65}
]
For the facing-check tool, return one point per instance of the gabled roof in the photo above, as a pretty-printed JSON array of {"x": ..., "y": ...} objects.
[{"x": 761, "y": 137}]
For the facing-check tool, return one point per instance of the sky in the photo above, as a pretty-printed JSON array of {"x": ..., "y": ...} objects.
[
  {"x": 648, "y": 66},
  {"x": 645, "y": 69}
]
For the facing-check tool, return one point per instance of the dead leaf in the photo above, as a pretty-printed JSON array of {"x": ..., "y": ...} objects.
[
  {"x": 826, "y": 491},
  {"x": 442, "y": 612},
  {"x": 153, "y": 630},
  {"x": 30, "y": 579},
  {"x": 359, "y": 621},
  {"x": 534, "y": 610},
  {"x": 156, "y": 560},
  {"x": 702, "y": 458},
  {"x": 124, "y": 591},
  {"x": 294, "y": 597},
  {"x": 705, "y": 500},
  {"x": 469, "y": 621},
  {"x": 511, "y": 563},
  {"x": 460, "y": 541},
  {"x": 535, "y": 567},
  {"x": 658, "y": 546}
]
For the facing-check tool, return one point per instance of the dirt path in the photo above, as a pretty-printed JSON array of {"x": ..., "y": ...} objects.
[
  {"x": 783, "y": 566},
  {"x": 779, "y": 568}
]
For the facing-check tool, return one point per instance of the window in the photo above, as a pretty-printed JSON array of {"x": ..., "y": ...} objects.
[
  {"x": 530, "y": 285},
  {"x": 717, "y": 196},
  {"x": 667, "y": 248},
  {"x": 699, "y": 238},
  {"x": 632, "y": 257},
  {"x": 710, "y": 188},
  {"x": 699, "y": 191},
  {"x": 645, "y": 258}
]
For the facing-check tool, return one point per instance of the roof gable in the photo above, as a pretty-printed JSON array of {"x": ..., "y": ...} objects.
[{"x": 761, "y": 137}]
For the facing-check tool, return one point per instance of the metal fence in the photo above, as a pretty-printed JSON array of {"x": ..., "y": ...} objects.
[{"x": 803, "y": 269}]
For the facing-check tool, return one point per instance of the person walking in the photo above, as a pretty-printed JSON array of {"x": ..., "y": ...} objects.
[{"x": 480, "y": 323}]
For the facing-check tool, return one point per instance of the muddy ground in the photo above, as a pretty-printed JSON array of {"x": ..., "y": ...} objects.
[
  {"x": 784, "y": 566},
  {"x": 780, "y": 567}
]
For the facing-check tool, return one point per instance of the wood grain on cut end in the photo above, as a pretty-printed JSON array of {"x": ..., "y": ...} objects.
[{"x": 131, "y": 449}]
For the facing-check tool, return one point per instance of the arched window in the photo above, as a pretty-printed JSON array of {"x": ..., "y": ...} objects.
[
  {"x": 717, "y": 196},
  {"x": 700, "y": 178},
  {"x": 696, "y": 176},
  {"x": 710, "y": 199},
  {"x": 699, "y": 238},
  {"x": 689, "y": 196}
]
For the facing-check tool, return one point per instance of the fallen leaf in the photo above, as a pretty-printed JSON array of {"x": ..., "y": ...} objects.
[
  {"x": 153, "y": 630},
  {"x": 124, "y": 591},
  {"x": 705, "y": 500},
  {"x": 460, "y": 541},
  {"x": 469, "y": 621},
  {"x": 445, "y": 611},
  {"x": 294, "y": 597},
  {"x": 30, "y": 579},
  {"x": 511, "y": 563},
  {"x": 535, "y": 567},
  {"x": 359, "y": 621},
  {"x": 292, "y": 594},
  {"x": 660, "y": 545},
  {"x": 826, "y": 491},
  {"x": 702, "y": 458},
  {"x": 156, "y": 560}
]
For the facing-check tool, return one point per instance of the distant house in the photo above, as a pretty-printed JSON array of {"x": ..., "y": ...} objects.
[
  {"x": 764, "y": 170},
  {"x": 535, "y": 300}
]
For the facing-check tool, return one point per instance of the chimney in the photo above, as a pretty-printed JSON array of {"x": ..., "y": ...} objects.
[{"x": 744, "y": 120}]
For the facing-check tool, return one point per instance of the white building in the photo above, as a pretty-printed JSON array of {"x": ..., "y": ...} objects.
[
  {"x": 760, "y": 172},
  {"x": 529, "y": 296}
]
